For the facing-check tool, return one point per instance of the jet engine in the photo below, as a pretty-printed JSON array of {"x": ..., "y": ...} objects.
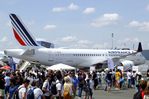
[{"x": 127, "y": 64}]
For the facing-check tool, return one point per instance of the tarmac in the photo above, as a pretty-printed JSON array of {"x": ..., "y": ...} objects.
[{"x": 113, "y": 94}]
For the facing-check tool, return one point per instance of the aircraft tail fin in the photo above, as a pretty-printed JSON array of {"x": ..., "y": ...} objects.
[
  {"x": 139, "y": 47},
  {"x": 22, "y": 35}
]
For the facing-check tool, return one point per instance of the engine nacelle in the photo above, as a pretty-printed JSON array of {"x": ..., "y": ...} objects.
[{"x": 127, "y": 64}]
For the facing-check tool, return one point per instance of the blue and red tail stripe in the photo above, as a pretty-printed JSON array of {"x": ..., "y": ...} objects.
[
  {"x": 17, "y": 31},
  {"x": 21, "y": 33},
  {"x": 19, "y": 38}
]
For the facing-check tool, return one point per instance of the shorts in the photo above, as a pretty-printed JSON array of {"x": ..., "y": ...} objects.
[
  {"x": 6, "y": 89},
  {"x": 2, "y": 92}
]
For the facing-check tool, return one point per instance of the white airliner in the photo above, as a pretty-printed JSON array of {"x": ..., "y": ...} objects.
[{"x": 74, "y": 57}]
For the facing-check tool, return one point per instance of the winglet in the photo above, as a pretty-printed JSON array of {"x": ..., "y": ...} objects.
[{"x": 139, "y": 47}]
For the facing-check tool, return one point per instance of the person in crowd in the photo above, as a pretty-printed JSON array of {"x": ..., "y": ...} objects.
[
  {"x": 68, "y": 89},
  {"x": 31, "y": 77},
  {"x": 2, "y": 85},
  {"x": 147, "y": 74},
  {"x": 52, "y": 83},
  {"x": 108, "y": 81},
  {"x": 140, "y": 93},
  {"x": 99, "y": 79},
  {"x": 20, "y": 78},
  {"x": 117, "y": 79},
  {"x": 129, "y": 76},
  {"x": 138, "y": 80},
  {"x": 74, "y": 81},
  {"x": 89, "y": 86},
  {"x": 59, "y": 85},
  {"x": 95, "y": 79},
  {"x": 146, "y": 91},
  {"x": 40, "y": 81},
  {"x": 80, "y": 84},
  {"x": 103, "y": 75},
  {"x": 13, "y": 87},
  {"x": 121, "y": 81},
  {"x": 113, "y": 78},
  {"x": 22, "y": 89},
  {"x": 133, "y": 79},
  {"x": 46, "y": 88},
  {"x": 7, "y": 83},
  {"x": 38, "y": 94}
]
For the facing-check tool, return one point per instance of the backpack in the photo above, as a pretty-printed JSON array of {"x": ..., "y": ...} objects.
[
  {"x": 30, "y": 93},
  {"x": 53, "y": 88},
  {"x": 16, "y": 93}
]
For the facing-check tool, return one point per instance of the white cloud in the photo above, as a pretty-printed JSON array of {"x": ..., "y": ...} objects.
[
  {"x": 49, "y": 27},
  {"x": 72, "y": 6},
  {"x": 143, "y": 26},
  {"x": 69, "y": 39},
  {"x": 85, "y": 42},
  {"x": 73, "y": 42},
  {"x": 4, "y": 39},
  {"x": 89, "y": 10},
  {"x": 134, "y": 24},
  {"x": 59, "y": 9},
  {"x": 105, "y": 20}
]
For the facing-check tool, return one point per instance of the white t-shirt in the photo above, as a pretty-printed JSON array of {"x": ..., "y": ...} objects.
[
  {"x": 46, "y": 85},
  {"x": 7, "y": 81},
  {"x": 22, "y": 91},
  {"x": 129, "y": 74},
  {"x": 58, "y": 86},
  {"x": 91, "y": 84},
  {"x": 38, "y": 93}
]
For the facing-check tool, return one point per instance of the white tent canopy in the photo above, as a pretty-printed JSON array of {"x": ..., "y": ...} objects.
[{"x": 61, "y": 67}]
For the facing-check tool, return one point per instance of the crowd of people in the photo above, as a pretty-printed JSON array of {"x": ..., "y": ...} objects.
[{"x": 43, "y": 84}]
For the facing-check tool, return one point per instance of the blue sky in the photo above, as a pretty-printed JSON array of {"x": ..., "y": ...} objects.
[{"x": 79, "y": 23}]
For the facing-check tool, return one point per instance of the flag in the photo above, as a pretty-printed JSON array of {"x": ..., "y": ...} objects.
[
  {"x": 110, "y": 63},
  {"x": 11, "y": 63}
]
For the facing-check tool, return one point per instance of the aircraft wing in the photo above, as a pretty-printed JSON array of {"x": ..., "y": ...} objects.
[{"x": 29, "y": 52}]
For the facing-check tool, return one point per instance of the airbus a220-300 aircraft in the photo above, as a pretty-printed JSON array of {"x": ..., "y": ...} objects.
[{"x": 74, "y": 57}]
